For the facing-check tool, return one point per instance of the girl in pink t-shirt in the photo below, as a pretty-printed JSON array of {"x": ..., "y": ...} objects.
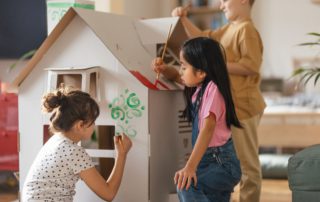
[{"x": 213, "y": 168}]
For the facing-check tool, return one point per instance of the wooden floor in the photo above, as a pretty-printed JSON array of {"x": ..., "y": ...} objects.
[{"x": 272, "y": 191}]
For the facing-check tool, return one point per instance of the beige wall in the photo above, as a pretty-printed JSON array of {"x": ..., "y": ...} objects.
[
  {"x": 283, "y": 24},
  {"x": 138, "y": 8}
]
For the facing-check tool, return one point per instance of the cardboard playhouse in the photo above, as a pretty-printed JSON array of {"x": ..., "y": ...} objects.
[{"x": 110, "y": 57}]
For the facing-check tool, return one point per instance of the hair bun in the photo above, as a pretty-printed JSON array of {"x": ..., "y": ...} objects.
[
  {"x": 61, "y": 98},
  {"x": 53, "y": 100}
]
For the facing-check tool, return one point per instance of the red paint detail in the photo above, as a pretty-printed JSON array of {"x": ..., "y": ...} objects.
[
  {"x": 161, "y": 84},
  {"x": 144, "y": 80}
]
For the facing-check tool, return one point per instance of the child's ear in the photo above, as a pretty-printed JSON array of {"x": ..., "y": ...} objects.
[
  {"x": 79, "y": 125},
  {"x": 203, "y": 74}
]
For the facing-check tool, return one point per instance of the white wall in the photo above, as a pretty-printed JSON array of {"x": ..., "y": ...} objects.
[
  {"x": 283, "y": 24},
  {"x": 137, "y": 8},
  {"x": 149, "y": 8}
]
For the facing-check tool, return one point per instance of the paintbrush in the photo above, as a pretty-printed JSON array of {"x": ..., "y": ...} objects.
[{"x": 164, "y": 49}]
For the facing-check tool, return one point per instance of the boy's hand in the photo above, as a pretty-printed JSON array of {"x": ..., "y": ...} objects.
[
  {"x": 122, "y": 144},
  {"x": 180, "y": 11},
  {"x": 158, "y": 65}
]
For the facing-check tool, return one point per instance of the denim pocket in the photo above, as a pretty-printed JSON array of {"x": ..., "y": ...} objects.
[{"x": 231, "y": 165}]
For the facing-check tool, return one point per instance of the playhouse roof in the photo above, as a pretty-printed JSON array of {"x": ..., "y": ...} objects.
[{"x": 126, "y": 37}]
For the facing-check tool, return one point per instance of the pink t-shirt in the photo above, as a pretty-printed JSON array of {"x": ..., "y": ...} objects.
[{"x": 213, "y": 102}]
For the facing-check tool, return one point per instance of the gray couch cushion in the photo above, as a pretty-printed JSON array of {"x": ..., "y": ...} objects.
[
  {"x": 305, "y": 196},
  {"x": 274, "y": 166},
  {"x": 304, "y": 170}
]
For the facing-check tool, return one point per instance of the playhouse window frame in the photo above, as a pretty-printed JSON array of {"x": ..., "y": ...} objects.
[{"x": 84, "y": 78}]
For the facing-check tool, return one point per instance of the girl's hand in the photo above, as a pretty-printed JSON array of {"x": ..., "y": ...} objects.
[
  {"x": 184, "y": 177},
  {"x": 122, "y": 144},
  {"x": 158, "y": 65},
  {"x": 180, "y": 11}
]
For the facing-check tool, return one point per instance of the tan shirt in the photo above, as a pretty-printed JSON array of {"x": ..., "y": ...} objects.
[{"x": 243, "y": 45}]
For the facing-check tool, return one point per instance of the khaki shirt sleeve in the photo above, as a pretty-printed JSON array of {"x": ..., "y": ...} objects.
[
  {"x": 214, "y": 34},
  {"x": 251, "y": 50}
]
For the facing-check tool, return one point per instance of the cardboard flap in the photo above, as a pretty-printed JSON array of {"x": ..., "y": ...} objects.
[{"x": 153, "y": 31}]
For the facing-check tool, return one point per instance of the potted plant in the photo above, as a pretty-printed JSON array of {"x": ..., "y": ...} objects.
[{"x": 308, "y": 72}]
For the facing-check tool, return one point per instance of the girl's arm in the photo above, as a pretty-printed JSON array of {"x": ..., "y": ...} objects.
[
  {"x": 172, "y": 74},
  {"x": 190, "y": 28},
  {"x": 183, "y": 178},
  {"x": 169, "y": 72},
  {"x": 107, "y": 190}
]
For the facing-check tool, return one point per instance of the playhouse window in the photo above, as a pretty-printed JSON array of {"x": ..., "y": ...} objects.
[
  {"x": 46, "y": 133},
  {"x": 170, "y": 56},
  {"x": 93, "y": 84},
  {"x": 102, "y": 139},
  {"x": 72, "y": 80},
  {"x": 104, "y": 166},
  {"x": 85, "y": 79}
]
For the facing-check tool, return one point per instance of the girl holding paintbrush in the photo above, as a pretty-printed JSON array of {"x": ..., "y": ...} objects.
[{"x": 213, "y": 168}]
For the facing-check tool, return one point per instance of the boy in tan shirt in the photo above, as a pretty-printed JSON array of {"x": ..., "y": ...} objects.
[{"x": 243, "y": 47}]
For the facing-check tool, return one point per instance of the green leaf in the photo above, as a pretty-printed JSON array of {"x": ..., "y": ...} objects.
[
  {"x": 314, "y": 34},
  {"x": 306, "y": 73},
  {"x": 309, "y": 44},
  {"x": 311, "y": 74},
  {"x": 316, "y": 79},
  {"x": 23, "y": 57},
  {"x": 298, "y": 71}
]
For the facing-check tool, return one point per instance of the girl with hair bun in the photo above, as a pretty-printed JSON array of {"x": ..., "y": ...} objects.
[{"x": 61, "y": 161}]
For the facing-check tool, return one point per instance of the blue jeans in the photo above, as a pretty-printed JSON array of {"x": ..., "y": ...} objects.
[{"x": 218, "y": 173}]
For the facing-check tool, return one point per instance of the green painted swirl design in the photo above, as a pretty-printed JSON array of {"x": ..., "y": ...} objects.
[
  {"x": 117, "y": 112},
  {"x": 133, "y": 101},
  {"x": 124, "y": 108},
  {"x": 133, "y": 113},
  {"x": 131, "y": 132}
]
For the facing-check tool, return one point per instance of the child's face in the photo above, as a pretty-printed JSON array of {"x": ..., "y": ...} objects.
[
  {"x": 88, "y": 130},
  {"x": 231, "y": 8},
  {"x": 189, "y": 75}
]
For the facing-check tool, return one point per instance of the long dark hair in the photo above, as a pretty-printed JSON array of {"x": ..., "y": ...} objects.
[
  {"x": 207, "y": 55},
  {"x": 67, "y": 107}
]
